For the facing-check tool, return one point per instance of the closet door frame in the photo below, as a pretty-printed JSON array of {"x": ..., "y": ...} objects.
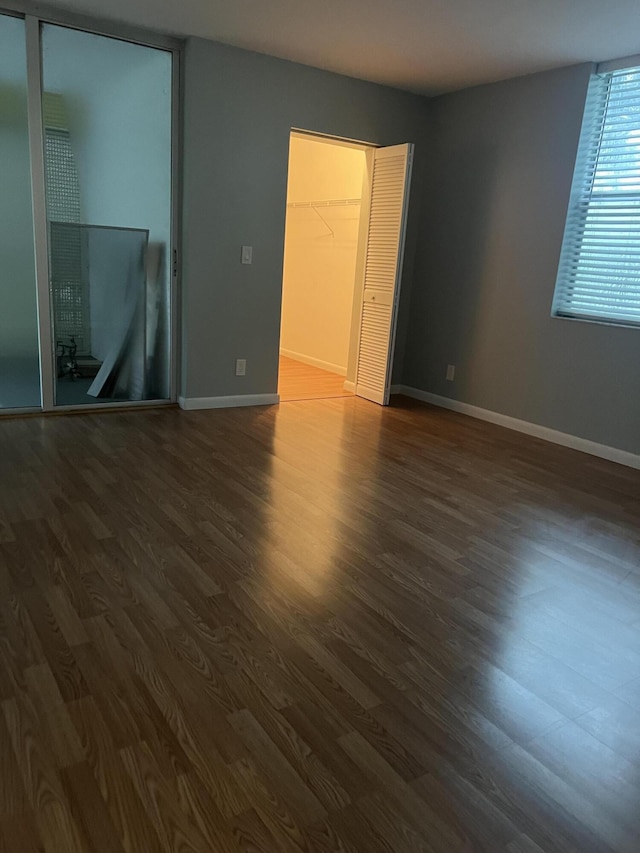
[
  {"x": 35, "y": 15},
  {"x": 39, "y": 207}
]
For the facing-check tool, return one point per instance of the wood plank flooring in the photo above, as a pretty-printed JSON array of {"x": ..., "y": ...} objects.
[
  {"x": 315, "y": 627},
  {"x": 298, "y": 381}
]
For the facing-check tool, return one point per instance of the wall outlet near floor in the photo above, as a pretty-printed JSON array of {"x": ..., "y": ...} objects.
[
  {"x": 241, "y": 367},
  {"x": 451, "y": 372}
]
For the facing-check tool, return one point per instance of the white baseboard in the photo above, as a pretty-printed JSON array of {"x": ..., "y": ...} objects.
[
  {"x": 349, "y": 386},
  {"x": 613, "y": 454},
  {"x": 314, "y": 362},
  {"x": 191, "y": 403}
]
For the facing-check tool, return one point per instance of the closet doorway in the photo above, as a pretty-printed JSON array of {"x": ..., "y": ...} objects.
[{"x": 344, "y": 242}]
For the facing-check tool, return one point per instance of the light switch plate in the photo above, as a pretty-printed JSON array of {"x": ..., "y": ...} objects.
[
  {"x": 247, "y": 254},
  {"x": 241, "y": 367}
]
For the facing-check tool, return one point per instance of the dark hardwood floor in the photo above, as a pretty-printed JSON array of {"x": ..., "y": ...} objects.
[{"x": 318, "y": 627}]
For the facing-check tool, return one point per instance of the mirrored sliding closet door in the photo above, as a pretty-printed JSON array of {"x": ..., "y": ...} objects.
[{"x": 87, "y": 147}]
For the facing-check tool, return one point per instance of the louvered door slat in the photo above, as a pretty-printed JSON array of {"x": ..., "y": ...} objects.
[{"x": 383, "y": 267}]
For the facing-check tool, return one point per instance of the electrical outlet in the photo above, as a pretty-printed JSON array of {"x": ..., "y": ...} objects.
[
  {"x": 241, "y": 367},
  {"x": 451, "y": 372}
]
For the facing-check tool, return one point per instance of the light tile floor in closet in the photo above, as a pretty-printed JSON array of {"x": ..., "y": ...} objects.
[{"x": 298, "y": 381}]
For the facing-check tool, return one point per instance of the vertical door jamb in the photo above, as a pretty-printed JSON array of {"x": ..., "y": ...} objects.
[
  {"x": 175, "y": 253},
  {"x": 361, "y": 265},
  {"x": 40, "y": 226}
]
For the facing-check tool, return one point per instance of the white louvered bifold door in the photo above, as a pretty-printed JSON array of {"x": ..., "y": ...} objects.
[{"x": 383, "y": 270}]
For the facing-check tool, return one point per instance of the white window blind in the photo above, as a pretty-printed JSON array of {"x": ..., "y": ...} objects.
[{"x": 599, "y": 271}]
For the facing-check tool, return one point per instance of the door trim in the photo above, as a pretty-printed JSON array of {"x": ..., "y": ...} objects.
[
  {"x": 98, "y": 26},
  {"x": 39, "y": 210},
  {"x": 174, "y": 259}
]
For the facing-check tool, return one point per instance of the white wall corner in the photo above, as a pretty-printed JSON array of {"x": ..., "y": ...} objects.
[
  {"x": 603, "y": 451},
  {"x": 194, "y": 403},
  {"x": 349, "y": 386}
]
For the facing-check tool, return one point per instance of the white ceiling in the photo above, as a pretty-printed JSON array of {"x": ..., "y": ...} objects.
[{"x": 425, "y": 46}]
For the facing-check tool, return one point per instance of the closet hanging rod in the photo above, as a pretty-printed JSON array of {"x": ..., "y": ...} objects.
[{"x": 334, "y": 202}]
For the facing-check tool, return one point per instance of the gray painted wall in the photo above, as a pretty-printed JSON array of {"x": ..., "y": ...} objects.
[
  {"x": 485, "y": 230},
  {"x": 239, "y": 109},
  {"x": 496, "y": 197}
]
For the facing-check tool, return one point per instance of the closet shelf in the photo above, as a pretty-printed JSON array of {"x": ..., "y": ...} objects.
[{"x": 333, "y": 202}]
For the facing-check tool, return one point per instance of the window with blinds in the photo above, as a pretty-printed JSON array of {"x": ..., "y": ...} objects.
[
  {"x": 599, "y": 271},
  {"x": 70, "y": 293}
]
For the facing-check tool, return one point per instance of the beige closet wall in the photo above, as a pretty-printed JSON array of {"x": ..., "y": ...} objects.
[{"x": 319, "y": 266}]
